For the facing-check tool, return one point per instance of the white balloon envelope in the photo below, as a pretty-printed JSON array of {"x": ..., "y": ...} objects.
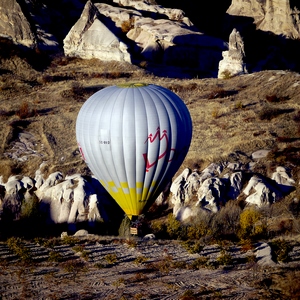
[{"x": 134, "y": 138}]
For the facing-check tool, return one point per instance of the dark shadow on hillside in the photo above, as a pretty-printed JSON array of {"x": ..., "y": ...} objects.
[{"x": 264, "y": 50}]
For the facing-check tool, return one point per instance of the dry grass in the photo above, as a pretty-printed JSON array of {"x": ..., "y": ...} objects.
[{"x": 244, "y": 113}]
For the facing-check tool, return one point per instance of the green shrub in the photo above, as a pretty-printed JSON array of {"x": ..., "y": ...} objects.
[
  {"x": 193, "y": 246},
  {"x": 174, "y": 227},
  {"x": 226, "y": 74},
  {"x": 111, "y": 259},
  {"x": 280, "y": 250},
  {"x": 30, "y": 208},
  {"x": 51, "y": 243},
  {"x": 70, "y": 240},
  {"x": 78, "y": 248},
  {"x": 140, "y": 260},
  {"x": 200, "y": 262},
  {"x": 188, "y": 295},
  {"x": 225, "y": 259},
  {"x": 251, "y": 225},
  {"x": 74, "y": 267},
  {"x": 55, "y": 256},
  {"x": 159, "y": 228},
  {"x": 17, "y": 246}
]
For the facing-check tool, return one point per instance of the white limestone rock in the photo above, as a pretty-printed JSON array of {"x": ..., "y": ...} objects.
[
  {"x": 14, "y": 24},
  {"x": 174, "y": 43},
  {"x": 91, "y": 38},
  {"x": 210, "y": 194},
  {"x": 233, "y": 60},
  {"x": 263, "y": 253},
  {"x": 284, "y": 181},
  {"x": 142, "y": 5},
  {"x": 149, "y": 236},
  {"x": 81, "y": 232},
  {"x": 236, "y": 184},
  {"x": 260, "y": 154},
  {"x": 260, "y": 192},
  {"x": 275, "y": 16}
]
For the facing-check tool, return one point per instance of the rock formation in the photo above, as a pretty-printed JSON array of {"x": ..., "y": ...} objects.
[
  {"x": 168, "y": 40},
  {"x": 233, "y": 60},
  {"x": 275, "y": 16},
  {"x": 14, "y": 24},
  {"x": 69, "y": 199},
  {"x": 27, "y": 24},
  {"x": 91, "y": 38},
  {"x": 218, "y": 183}
]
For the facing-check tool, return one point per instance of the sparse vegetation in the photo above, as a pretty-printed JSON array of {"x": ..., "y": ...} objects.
[
  {"x": 281, "y": 249},
  {"x": 50, "y": 101},
  {"x": 226, "y": 74},
  {"x": 225, "y": 259},
  {"x": 55, "y": 256},
  {"x": 24, "y": 111},
  {"x": 127, "y": 25},
  {"x": 16, "y": 245}
]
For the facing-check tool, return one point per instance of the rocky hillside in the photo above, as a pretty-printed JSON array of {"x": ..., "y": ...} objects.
[
  {"x": 232, "y": 120},
  {"x": 147, "y": 33},
  {"x": 245, "y": 128}
]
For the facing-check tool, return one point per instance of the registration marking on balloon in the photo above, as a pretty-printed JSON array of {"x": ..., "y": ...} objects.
[{"x": 163, "y": 137}]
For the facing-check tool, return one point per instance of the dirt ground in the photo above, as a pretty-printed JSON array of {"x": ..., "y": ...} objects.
[
  {"x": 39, "y": 109},
  {"x": 113, "y": 268}
]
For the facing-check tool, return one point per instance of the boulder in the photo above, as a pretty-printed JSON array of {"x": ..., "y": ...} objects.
[
  {"x": 174, "y": 43},
  {"x": 263, "y": 253},
  {"x": 15, "y": 25},
  {"x": 210, "y": 194},
  {"x": 260, "y": 192},
  {"x": 91, "y": 38},
  {"x": 285, "y": 183},
  {"x": 139, "y": 31},
  {"x": 275, "y": 16},
  {"x": 232, "y": 63},
  {"x": 27, "y": 24}
]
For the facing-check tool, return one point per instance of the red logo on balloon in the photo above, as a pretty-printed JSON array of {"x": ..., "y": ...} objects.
[{"x": 152, "y": 138}]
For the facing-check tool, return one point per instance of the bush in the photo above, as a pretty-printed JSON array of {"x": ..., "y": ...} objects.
[
  {"x": 24, "y": 111},
  {"x": 127, "y": 25},
  {"x": 200, "y": 262},
  {"x": 193, "y": 246},
  {"x": 174, "y": 228},
  {"x": 280, "y": 250},
  {"x": 55, "y": 256},
  {"x": 17, "y": 246},
  {"x": 30, "y": 209},
  {"x": 251, "y": 226},
  {"x": 273, "y": 98},
  {"x": 74, "y": 267},
  {"x": 225, "y": 259},
  {"x": 226, "y": 222},
  {"x": 226, "y": 74},
  {"x": 140, "y": 260},
  {"x": 70, "y": 240}
]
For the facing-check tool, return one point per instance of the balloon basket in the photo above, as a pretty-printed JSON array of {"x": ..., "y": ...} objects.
[
  {"x": 135, "y": 226},
  {"x": 133, "y": 231}
]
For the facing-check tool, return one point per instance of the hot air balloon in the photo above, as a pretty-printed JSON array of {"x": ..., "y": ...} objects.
[{"x": 134, "y": 138}]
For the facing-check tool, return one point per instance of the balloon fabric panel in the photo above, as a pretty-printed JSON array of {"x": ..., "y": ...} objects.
[{"x": 134, "y": 139}]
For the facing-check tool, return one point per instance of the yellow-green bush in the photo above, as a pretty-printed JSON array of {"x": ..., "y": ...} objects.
[{"x": 251, "y": 224}]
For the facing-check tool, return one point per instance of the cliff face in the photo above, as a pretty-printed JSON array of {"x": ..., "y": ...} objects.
[{"x": 275, "y": 16}]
